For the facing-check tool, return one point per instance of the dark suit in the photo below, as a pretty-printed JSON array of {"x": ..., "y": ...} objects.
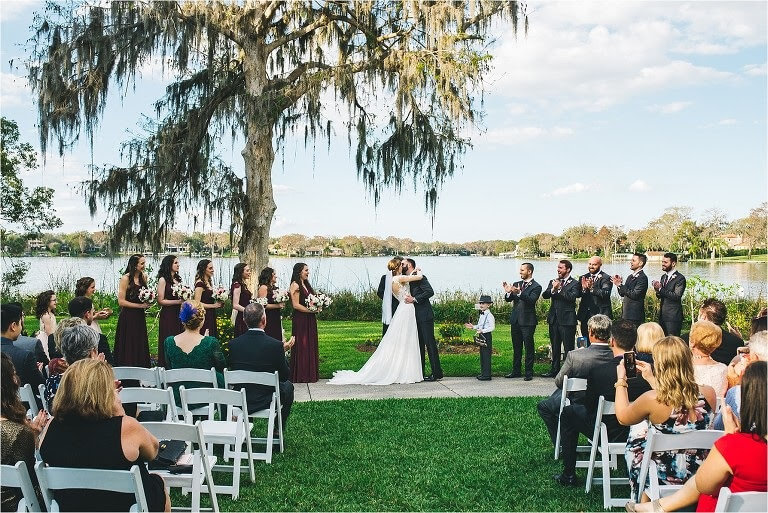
[
  {"x": 633, "y": 292},
  {"x": 395, "y": 302},
  {"x": 577, "y": 364},
  {"x": 421, "y": 291},
  {"x": 562, "y": 318},
  {"x": 33, "y": 345},
  {"x": 671, "y": 296},
  {"x": 25, "y": 363},
  {"x": 255, "y": 351},
  {"x": 580, "y": 418},
  {"x": 522, "y": 323},
  {"x": 727, "y": 349},
  {"x": 596, "y": 300}
]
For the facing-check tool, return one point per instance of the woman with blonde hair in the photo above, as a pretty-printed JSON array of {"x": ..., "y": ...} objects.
[
  {"x": 648, "y": 334},
  {"x": 190, "y": 349},
  {"x": 91, "y": 430},
  {"x": 705, "y": 337},
  {"x": 675, "y": 404}
]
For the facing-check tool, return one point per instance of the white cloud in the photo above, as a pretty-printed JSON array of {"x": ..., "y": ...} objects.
[
  {"x": 574, "y": 188},
  {"x": 756, "y": 70},
  {"x": 726, "y": 122},
  {"x": 12, "y": 9},
  {"x": 518, "y": 134},
  {"x": 639, "y": 186},
  {"x": 14, "y": 91},
  {"x": 669, "y": 108}
]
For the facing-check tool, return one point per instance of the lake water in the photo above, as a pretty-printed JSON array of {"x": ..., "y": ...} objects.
[{"x": 446, "y": 274}]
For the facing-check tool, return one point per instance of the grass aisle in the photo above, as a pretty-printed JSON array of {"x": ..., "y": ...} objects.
[{"x": 470, "y": 454}]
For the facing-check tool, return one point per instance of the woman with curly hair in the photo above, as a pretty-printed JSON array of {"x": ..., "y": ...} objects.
[
  {"x": 675, "y": 404},
  {"x": 267, "y": 286},
  {"x": 45, "y": 311},
  {"x": 131, "y": 339},
  {"x": 204, "y": 294},
  {"x": 241, "y": 295}
]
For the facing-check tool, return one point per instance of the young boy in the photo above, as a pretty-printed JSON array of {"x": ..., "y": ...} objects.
[{"x": 485, "y": 326}]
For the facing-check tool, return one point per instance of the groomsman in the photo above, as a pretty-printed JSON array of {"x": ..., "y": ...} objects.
[
  {"x": 563, "y": 292},
  {"x": 522, "y": 321},
  {"x": 670, "y": 292},
  {"x": 596, "y": 289},
  {"x": 633, "y": 291}
]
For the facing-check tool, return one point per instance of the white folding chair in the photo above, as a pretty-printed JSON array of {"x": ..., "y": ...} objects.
[
  {"x": 658, "y": 442},
  {"x": 62, "y": 478},
  {"x": 147, "y": 377},
  {"x": 17, "y": 476},
  {"x": 41, "y": 390},
  {"x": 273, "y": 413},
  {"x": 28, "y": 396},
  {"x": 152, "y": 397},
  {"x": 569, "y": 385},
  {"x": 728, "y": 501},
  {"x": 234, "y": 430},
  {"x": 202, "y": 462},
  {"x": 206, "y": 377},
  {"x": 609, "y": 452}
]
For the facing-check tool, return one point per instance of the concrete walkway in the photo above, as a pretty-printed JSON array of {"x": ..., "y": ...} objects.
[{"x": 447, "y": 387}]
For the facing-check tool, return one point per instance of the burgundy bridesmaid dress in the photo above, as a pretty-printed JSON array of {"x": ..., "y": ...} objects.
[
  {"x": 169, "y": 324},
  {"x": 274, "y": 326},
  {"x": 304, "y": 354},
  {"x": 245, "y": 300},
  {"x": 131, "y": 340},
  {"x": 210, "y": 313}
]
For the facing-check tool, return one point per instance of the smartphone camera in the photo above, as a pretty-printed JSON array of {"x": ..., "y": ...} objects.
[{"x": 629, "y": 365}]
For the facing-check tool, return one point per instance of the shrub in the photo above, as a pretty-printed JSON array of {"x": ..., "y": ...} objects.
[{"x": 450, "y": 330}]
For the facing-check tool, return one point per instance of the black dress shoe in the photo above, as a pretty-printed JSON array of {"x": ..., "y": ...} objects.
[
  {"x": 429, "y": 378},
  {"x": 513, "y": 375},
  {"x": 484, "y": 378},
  {"x": 565, "y": 480},
  {"x": 528, "y": 378}
]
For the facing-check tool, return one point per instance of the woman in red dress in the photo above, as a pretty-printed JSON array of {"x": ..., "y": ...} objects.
[
  {"x": 204, "y": 294},
  {"x": 131, "y": 341},
  {"x": 304, "y": 354},
  {"x": 241, "y": 296},
  {"x": 267, "y": 286},
  {"x": 169, "y": 324}
]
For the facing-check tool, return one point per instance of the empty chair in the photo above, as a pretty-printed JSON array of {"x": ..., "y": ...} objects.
[
  {"x": 569, "y": 385},
  {"x": 27, "y": 395},
  {"x": 189, "y": 378},
  {"x": 609, "y": 452},
  {"x": 147, "y": 377},
  {"x": 154, "y": 398},
  {"x": 41, "y": 390},
  {"x": 65, "y": 478},
  {"x": 742, "y": 501},
  {"x": 17, "y": 476},
  {"x": 233, "y": 430}
]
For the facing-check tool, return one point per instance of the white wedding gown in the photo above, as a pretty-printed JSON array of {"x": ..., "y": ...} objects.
[{"x": 397, "y": 359}]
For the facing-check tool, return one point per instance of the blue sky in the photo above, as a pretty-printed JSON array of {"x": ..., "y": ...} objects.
[{"x": 605, "y": 113}]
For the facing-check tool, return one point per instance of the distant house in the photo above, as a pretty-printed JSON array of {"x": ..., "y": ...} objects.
[
  {"x": 334, "y": 251},
  {"x": 735, "y": 241},
  {"x": 314, "y": 251},
  {"x": 621, "y": 256},
  {"x": 508, "y": 254},
  {"x": 36, "y": 245},
  {"x": 654, "y": 256},
  {"x": 176, "y": 248},
  {"x": 557, "y": 255}
]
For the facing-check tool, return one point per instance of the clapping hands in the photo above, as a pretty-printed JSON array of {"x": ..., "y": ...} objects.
[{"x": 617, "y": 280}]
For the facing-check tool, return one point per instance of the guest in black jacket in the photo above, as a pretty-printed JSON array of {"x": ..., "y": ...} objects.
[
  {"x": 255, "y": 351},
  {"x": 24, "y": 361}
]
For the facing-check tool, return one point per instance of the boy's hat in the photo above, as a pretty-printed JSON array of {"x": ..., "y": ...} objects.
[{"x": 485, "y": 299}]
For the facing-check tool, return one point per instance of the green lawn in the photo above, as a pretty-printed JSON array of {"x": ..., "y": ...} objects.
[
  {"x": 471, "y": 454},
  {"x": 339, "y": 340}
]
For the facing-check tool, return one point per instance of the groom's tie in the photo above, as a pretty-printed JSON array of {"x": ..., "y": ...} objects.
[{"x": 664, "y": 280}]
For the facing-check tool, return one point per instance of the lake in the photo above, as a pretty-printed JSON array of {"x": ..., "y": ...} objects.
[{"x": 446, "y": 274}]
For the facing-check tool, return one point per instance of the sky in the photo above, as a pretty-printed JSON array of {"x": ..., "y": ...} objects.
[{"x": 605, "y": 113}]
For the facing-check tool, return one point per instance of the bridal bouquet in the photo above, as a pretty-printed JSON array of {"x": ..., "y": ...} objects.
[
  {"x": 147, "y": 296},
  {"x": 220, "y": 294},
  {"x": 280, "y": 296},
  {"x": 182, "y": 291},
  {"x": 317, "y": 302},
  {"x": 260, "y": 300}
]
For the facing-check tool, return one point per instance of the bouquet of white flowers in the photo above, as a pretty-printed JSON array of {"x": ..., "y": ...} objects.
[
  {"x": 220, "y": 294},
  {"x": 317, "y": 302},
  {"x": 182, "y": 291},
  {"x": 260, "y": 300},
  {"x": 147, "y": 295},
  {"x": 280, "y": 296}
]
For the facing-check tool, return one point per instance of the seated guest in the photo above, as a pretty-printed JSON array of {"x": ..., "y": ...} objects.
[
  {"x": 648, "y": 334},
  {"x": 577, "y": 364},
  {"x": 24, "y": 361},
  {"x": 715, "y": 311},
  {"x": 19, "y": 435},
  {"x": 675, "y": 405},
  {"x": 30, "y": 343},
  {"x": 190, "y": 349},
  {"x": 601, "y": 380},
  {"x": 58, "y": 364},
  {"x": 82, "y": 307},
  {"x": 78, "y": 342},
  {"x": 256, "y": 351},
  {"x": 90, "y": 430},
  {"x": 738, "y": 460},
  {"x": 704, "y": 338},
  {"x": 758, "y": 352}
]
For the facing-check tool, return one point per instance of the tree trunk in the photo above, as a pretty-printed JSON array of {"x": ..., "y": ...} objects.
[{"x": 259, "y": 155}]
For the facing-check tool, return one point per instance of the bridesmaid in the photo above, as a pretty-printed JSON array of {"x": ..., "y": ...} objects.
[
  {"x": 169, "y": 324},
  {"x": 204, "y": 294},
  {"x": 86, "y": 287},
  {"x": 45, "y": 311},
  {"x": 131, "y": 340},
  {"x": 241, "y": 296},
  {"x": 304, "y": 355},
  {"x": 267, "y": 286}
]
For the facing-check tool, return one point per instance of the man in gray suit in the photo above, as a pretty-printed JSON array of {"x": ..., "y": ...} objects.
[
  {"x": 596, "y": 289},
  {"x": 563, "y": 292},
  {"x": 577, "y": 364},
  {"x": 522, "y": 320},
  {"x": 670, "y": 290},
  {"x": 633, "y": 291}
]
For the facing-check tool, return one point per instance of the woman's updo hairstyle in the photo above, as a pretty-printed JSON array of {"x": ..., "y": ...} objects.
[
  {"x": 394, "y": 263},
  {"x": 192, "y": 314}
]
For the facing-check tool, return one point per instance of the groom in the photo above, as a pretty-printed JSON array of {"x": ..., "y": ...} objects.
[{"x": 421, "y": 291}]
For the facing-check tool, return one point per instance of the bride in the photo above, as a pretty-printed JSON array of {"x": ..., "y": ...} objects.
[{"x": 397, "y": 359}]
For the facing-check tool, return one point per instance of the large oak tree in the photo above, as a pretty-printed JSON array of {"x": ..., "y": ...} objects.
[{"x": 257, "y": 69}]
